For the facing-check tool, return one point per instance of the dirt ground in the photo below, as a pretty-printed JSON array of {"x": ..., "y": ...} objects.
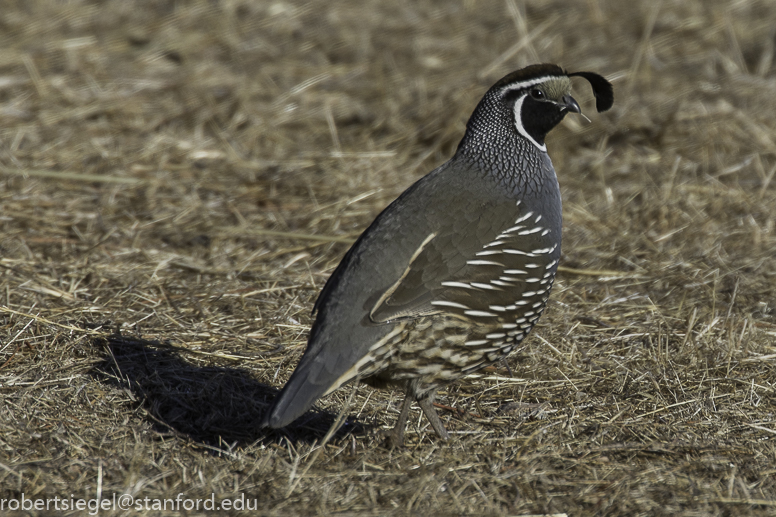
[{"x": 178, "y": 179}]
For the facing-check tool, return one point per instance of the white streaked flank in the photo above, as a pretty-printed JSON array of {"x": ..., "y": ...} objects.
[
  {"x": 542, "y": 251},
  {"x": 457, "y": 284},
  {"x": 367, "y": 358},
  {"x": 519, "y": 252},
  {"x": 483, "y": 263},
  {"x": 488, "y": 287},
  {"x": 445, "y": 303},
  {"x": 482, "y": 314},
  {"x": 535, "y": 229},
  {"x": 512, "y": 229}
]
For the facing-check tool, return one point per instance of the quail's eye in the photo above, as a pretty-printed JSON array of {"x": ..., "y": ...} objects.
[{"x": 537, "y": 94}]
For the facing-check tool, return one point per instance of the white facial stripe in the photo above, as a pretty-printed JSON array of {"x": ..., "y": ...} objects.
[
  {"x": 527, "y": 84},
  {"x": 521, "y": 129}
]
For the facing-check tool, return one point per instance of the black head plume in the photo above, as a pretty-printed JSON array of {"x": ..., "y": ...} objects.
[{"x": 602, "y": 89}]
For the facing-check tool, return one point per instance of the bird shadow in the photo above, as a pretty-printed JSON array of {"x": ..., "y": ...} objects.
[{"x": 220, "y": 407}]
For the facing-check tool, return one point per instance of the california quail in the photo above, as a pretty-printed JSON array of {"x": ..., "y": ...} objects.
[{"x": 452, "y": 275}]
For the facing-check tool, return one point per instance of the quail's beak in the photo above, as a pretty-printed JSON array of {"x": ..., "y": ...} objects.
[{"x": 570, "y": 104}]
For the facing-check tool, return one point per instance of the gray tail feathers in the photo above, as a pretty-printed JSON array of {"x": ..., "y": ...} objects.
[
  {"x": 291, "y": 403},
  {"x": 306, "y": 385}
]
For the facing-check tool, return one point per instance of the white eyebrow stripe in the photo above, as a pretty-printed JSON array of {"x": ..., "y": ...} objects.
[{"x": 522, "y": 85}]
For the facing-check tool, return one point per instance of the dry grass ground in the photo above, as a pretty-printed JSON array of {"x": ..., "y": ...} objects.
[{"x": 178, "y": 179}]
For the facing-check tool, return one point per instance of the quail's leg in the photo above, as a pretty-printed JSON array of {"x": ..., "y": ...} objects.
[
  {"x": 427, "y": 405},
  {"x": 396, "y": 436}
]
